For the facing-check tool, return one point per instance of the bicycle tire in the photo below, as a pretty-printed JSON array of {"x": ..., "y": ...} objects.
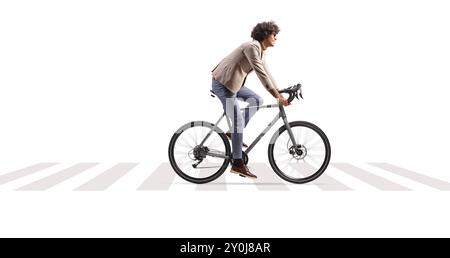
[
  {"x": 283, "y": 174},
  {"x": 184, "y": 174}
]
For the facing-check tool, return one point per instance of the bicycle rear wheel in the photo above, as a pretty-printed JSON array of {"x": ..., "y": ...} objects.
[
  {"x": 303, "y": 162},
  {"x": 195, "y": 162}
]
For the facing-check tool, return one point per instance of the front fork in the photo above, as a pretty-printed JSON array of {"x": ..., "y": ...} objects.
[
  {"x": 297, "y": 151},
  {"x": 288, "y": 127}
]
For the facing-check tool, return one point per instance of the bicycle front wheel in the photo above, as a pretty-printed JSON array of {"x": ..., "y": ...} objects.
[
  {"x": 304, "y": 161},
  {"x": 199, "y": 152}
]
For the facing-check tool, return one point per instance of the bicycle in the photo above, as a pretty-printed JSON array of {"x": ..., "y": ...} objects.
[{"x": 299, "y": 151}]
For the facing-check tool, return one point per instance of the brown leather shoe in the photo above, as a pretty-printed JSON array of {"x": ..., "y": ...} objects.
[
  {"x": 240, "y": 168},
  {"x": 229, "y": 138}
]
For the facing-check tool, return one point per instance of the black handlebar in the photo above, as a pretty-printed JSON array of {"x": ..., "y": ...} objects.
[{"x": 293, "y": 91}]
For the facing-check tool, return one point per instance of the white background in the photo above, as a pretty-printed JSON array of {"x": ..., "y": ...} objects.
[{"x": 110, "y": 81}]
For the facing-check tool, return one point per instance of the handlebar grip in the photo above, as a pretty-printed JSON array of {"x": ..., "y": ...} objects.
[{"x": 293, "y": 92}]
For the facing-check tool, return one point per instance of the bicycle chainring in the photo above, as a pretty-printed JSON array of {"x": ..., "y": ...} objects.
[{"x": 244, "y": 158}]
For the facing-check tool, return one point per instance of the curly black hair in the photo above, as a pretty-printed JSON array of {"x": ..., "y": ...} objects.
[{"x": 264, "y": 29}]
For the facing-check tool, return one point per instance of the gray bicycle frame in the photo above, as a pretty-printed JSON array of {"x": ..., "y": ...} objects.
[{"x": 281, "y": 114}]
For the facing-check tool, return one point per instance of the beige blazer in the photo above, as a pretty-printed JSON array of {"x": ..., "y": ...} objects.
[{"x": 233, "y": 69}]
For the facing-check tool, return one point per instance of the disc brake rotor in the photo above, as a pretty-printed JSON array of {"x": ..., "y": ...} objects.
[{"x": 298, "y": 151}]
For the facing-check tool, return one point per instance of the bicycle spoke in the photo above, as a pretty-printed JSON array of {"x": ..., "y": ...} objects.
[
  {"x": 314, "y": 160},
  {"x": 289, "y": 158},
  {"x": 215, "y": 143},
  {"x": 195, "y": 137},
  {"x": 316, "y": 154},
  {"x": 186, "y": 143},
  {"x": 184, "y": 161},
  {"x": 313, "y": 141},
  {"x": 303, "y": 170},
  {"x": 298, "y": 135},
  {"x": 293, "y": 171},
  {"x": 192, "y": 137},
  {"x": 183, "y": 146},
  {"x": 180, "y": 153},
  {"x": 284, "y": 139},
  {"x": 281, "y": 149},
  {"x": 308, "y": 135},
  {"x": 316, "y": 148},
  {"x": 202, "y": 135},
  {"x": 283, "y": 156},
  {"x": 284, "y": 164}
]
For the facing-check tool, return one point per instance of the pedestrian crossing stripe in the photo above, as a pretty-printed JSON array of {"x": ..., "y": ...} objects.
[{"x": 339, "y": 176}]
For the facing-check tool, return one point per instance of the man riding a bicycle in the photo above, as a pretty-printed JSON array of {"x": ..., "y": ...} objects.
[{"x": 228, "y": 84}]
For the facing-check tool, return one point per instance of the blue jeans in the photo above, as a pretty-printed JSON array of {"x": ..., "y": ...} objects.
[{"x": 239, "y": 119}]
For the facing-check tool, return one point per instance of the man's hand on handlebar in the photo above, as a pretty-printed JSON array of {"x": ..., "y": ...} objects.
[{"x": 283, "y": 101}]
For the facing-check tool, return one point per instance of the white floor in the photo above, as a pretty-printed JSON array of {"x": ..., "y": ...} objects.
[{"x": 233, "y": 207}]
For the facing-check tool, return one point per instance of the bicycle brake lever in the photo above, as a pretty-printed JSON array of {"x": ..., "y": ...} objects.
[{"x": 300, "y": 90}]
